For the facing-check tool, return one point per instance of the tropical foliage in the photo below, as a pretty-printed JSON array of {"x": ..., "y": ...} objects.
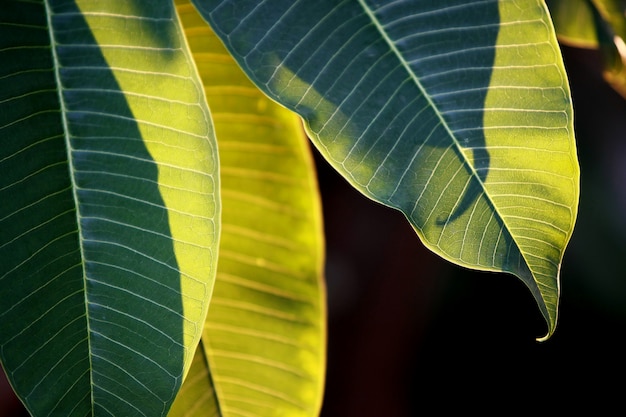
[
  {"x": 160, "y": 221},
  {"x": 596, "y": 24}
]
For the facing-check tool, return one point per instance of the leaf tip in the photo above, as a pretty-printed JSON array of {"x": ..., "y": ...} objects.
[
  {"x": 544, "y": 338},
  {"x": 551, "y": 329}
]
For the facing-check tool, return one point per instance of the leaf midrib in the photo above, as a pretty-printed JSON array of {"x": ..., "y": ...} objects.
[
  {"x": 405, "y": 64},
  {"x": 409, "y": 70},
  {"x": 71, "y": 173}
]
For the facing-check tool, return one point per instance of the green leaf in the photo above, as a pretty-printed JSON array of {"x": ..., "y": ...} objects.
[
  {"x": 264, "y": 338},
  {"x": 596, "y": 24},
  {"x": 457, "y": 113},
  {"x": 574, "y": 22},
  {"x": 583, "y": 23},
  {"x": 197, "y": 395},
  {"x": 110, "y": 211}
]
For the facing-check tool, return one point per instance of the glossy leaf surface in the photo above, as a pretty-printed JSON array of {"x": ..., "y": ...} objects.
[
  {"x": 110, "y": 212},
  {"x": 265, "y": 337},
  {"x": 457, "y": 113}
]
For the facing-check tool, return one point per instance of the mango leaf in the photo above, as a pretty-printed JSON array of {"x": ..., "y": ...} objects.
[
  {"x": 595, "y": 24},
  {"x": 110, "y": 209},
  {"x": 455, "y": 112},
  {"x": 574, "y": 22},
  {"x": 264, "y": 340},
  {"x": 197, "y": 395},
  {"x": 581, "y": 23}
]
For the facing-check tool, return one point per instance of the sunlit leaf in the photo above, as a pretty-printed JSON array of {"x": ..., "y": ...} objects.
[
  {"x": 197, "y": 395},
  {"x": 109, "y": 214},
  {"x": 456, "y": 112},
  {"x": 596, "y": 24},
  {"x": 264, "y": 339},
  {"x": 574, "y": 22}
]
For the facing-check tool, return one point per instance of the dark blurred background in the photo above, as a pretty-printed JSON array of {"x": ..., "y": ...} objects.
[{"x": 411, "y": 334}]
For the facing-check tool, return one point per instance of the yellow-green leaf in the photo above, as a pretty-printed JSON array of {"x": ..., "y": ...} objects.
[
  {"x": 596, "y": 24},
  {"x": 264, "y": 339},
  {"x": 455, "y": 112},
  {"x": 574, "y": 22},
  {"x": 110, "y": 208}
]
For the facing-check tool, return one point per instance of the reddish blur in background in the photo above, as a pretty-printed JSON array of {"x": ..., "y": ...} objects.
[{"x": 409, "y": 332}]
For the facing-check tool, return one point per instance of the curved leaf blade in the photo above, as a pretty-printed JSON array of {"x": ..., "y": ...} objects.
[
  {"x": 106, "y": 269},
  {"x": 264, "y": 338},
  {"x": 444, "y": 110}
]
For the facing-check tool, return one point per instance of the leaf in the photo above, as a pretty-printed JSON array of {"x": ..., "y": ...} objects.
[
  {"x": 581, "y": 23},
  {"x": 197, "y": 395},
  {"x": 574, "y": 22},
  {"x": 597, "y": 24},
  {"x": 110, "y": 210},
  {"x": 457, "y": 113},
  {"x": 264, "y": 338}
]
